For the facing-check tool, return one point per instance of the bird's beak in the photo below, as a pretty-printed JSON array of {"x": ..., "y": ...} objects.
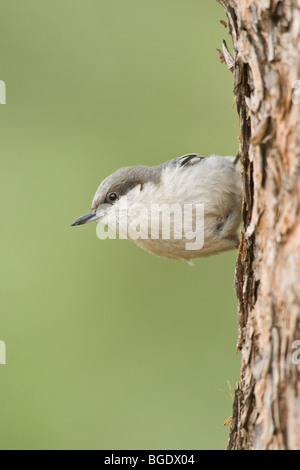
[
  {"x": 91, "y": 216},
  {"x": 86, "y": 218}
]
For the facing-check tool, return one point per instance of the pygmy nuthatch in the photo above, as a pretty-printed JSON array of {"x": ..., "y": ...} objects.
[{"x": 164, "y": 208}]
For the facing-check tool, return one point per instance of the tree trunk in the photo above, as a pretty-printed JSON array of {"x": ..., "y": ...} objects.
[{"x": 266, "y": 67}]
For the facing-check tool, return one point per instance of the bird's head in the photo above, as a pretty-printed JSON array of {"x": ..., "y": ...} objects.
[{"x": 125, "y": 184}]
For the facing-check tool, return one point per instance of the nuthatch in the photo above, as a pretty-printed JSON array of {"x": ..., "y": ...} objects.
[{"x": 213, "y": 183}]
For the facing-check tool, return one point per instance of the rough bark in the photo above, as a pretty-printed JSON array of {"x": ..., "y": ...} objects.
[{"x": 265, "y": 66}]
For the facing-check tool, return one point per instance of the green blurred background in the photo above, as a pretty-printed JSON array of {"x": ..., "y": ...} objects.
[{"x": 109, "y": 347}]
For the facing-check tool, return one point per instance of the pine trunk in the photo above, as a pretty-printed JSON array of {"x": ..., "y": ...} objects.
[{"x": 266, "y": 70}]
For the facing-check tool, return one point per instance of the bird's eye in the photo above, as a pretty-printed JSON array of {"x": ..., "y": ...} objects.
[{"x": 112, "y": 197}]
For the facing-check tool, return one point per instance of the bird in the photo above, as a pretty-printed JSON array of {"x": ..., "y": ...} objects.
[{"x": 209, "y": 189}]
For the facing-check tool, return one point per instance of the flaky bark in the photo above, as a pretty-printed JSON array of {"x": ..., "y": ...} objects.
[{"x": 266, "y": 66}]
